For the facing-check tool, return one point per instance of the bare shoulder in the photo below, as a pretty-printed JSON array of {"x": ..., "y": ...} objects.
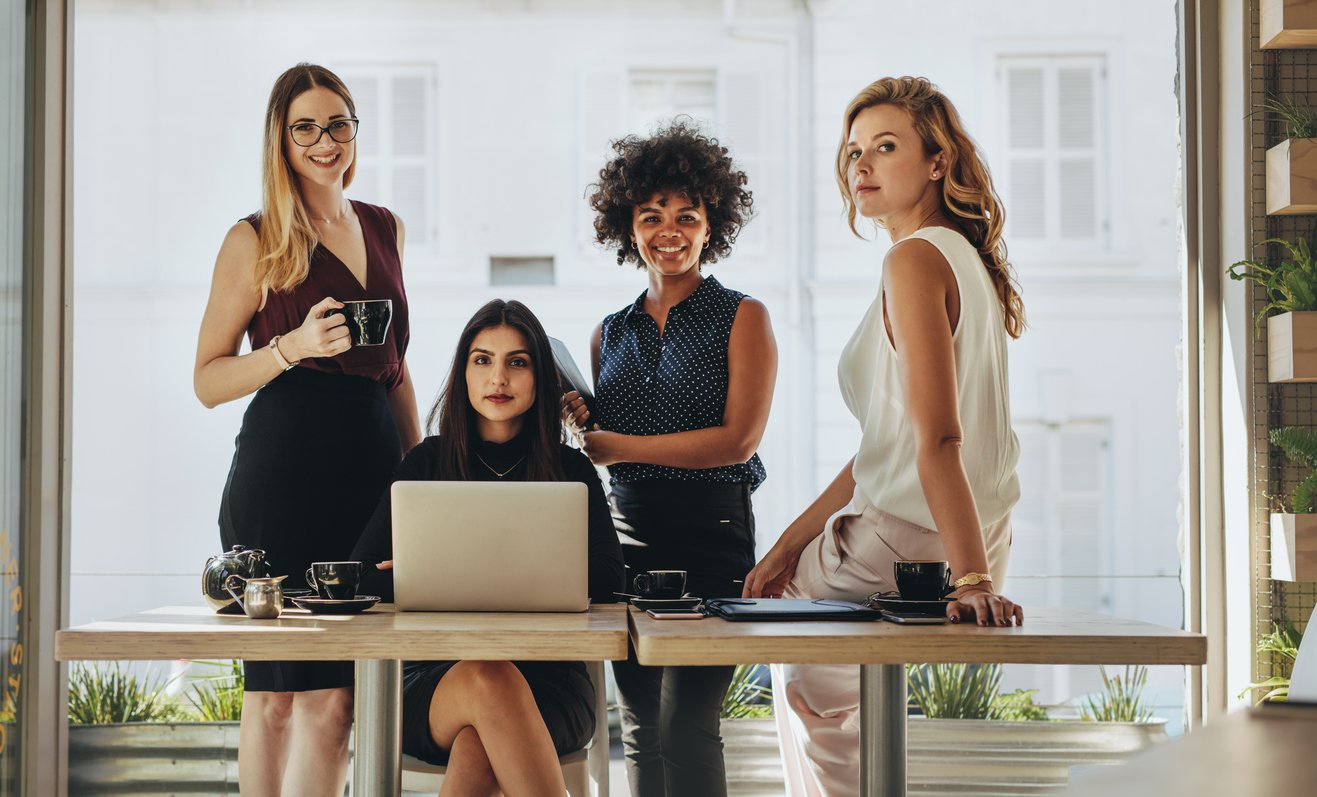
[
  {"x": 241, "y": 239},
  {"x": 916, "y": 263},
  {"x": 752, "y": 309},
  {"x": 238, "y": 254},
  {"x": 398, "y": 221}
]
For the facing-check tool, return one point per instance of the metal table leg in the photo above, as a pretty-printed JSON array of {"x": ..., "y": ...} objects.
[
  {"x": 882, "y": 730},
  {"x": 377, "y": 759}
]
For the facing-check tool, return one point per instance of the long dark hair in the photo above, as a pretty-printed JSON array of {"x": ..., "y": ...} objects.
[{"x": 452, "y": 417}]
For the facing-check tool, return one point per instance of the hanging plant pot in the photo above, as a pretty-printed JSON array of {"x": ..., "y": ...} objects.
[
  {"x": 1293, "y": 547},
  {"x": 1284, "y": 24},
  {"x": 1292, "y": 347},
  {"x": 1292, "y": 177}
]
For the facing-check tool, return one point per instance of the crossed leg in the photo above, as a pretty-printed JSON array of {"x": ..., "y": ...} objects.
[{"x": 484, "y": 714}]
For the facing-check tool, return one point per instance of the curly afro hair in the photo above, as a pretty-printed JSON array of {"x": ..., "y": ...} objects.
[{"x": 679, "y": 159}]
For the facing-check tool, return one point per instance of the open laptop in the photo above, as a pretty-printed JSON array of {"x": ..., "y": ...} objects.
[{"x": 490, "y": 546}]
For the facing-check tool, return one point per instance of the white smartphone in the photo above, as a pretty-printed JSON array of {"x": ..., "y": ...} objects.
[
  {"x": 901, "y": 618},
  {"x": 674, "y": 614}
]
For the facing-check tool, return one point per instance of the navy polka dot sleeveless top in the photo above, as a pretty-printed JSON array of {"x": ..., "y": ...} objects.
[{"x": 651, "y": 384}]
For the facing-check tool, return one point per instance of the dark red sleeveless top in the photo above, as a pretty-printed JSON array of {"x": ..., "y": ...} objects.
[{"x": 329, "y": 276}]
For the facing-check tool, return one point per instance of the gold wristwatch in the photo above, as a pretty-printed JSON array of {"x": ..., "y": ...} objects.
[{"x": 970, "y": 579}]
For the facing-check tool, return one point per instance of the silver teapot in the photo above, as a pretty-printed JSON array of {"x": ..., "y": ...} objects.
[
  {"x": 261, "y": 598},
  {"x": 245, "y": 562}
]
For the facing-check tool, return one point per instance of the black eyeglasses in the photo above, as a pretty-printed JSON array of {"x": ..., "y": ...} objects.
[{"x": 307, "y": 134}]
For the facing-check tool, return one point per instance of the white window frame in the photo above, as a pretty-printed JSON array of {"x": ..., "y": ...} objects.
[
  {"x": 423, "y": 233},
  {"x": 670, "y": 77},
  {"x": 1055, "y": 496},
  {"x": 1052, "y": 245}
]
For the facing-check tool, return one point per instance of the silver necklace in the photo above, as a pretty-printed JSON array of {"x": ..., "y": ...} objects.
[{"x": 496, "y": 472}]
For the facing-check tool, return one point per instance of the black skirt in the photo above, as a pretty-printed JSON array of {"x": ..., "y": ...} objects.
[
  {"x": 315, "y": 453},
  {"x": 562, "y": 690},
  {"x": 704, "y": 528}
]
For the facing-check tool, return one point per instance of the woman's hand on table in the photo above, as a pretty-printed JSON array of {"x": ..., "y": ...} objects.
[
  {"x": 978, "y": 602},
  {"x": 387, "y": 564},
  {"x": 770, "y": 577}
]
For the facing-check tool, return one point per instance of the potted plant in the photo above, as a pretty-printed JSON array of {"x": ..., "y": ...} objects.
[
  {"x": 1294, "y": 525},
  {"x": 1283, "y": 645},
  {"x": 127, "y": 734},
  {"x": 1007, "y": 744},
  {"x": 1291, "y": 285},
  {"x": 1292, "y": 164}
]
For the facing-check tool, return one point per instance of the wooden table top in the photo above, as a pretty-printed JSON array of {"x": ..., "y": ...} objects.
[
  {"x": 1262, "y": 752},
  {"x": 196, "y": 632},
  {"x": 1049, "y": 636}
]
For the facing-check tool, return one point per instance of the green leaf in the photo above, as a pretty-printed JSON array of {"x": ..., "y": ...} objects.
[
  {"x": 747, "y": 697},
  {"x": 1121, "y": 699}
]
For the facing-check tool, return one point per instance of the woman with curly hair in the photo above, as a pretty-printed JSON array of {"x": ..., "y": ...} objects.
[
  {"x": 925, "y": 375},
  {"x": 684, "y": 380}
]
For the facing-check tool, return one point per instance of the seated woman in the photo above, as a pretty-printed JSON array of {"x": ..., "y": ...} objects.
[{"x": 498, "y": 725}]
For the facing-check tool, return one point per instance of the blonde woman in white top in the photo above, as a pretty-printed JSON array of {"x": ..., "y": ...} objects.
[{"x": 925, "y": 374}]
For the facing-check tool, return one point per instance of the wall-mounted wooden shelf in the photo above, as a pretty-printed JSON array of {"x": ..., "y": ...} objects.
[
  {"x": 1293, "y": 547},
  {"x": 1292, "y": 347},
  {"x": 1287, "y": 24},
  {"x": 1292, "y": 177}
]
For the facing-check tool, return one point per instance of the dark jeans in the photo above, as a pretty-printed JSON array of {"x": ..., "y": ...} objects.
[
  {"x": 670, "y": 715},
  {"x": 670, "y": 728}
]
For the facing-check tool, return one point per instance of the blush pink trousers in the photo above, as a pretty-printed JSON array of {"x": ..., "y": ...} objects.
[{"x": 817, "y": 706}]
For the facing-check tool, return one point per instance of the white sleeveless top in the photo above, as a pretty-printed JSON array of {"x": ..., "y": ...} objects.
[{"x": 885, "y": 467}]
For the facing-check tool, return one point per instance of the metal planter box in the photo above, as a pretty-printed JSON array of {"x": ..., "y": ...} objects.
[
  {"x": 992, "y": 758},
  {"x": 150, "y": 758}
]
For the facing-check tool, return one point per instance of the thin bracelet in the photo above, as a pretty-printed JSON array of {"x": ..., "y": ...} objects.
[{"x": 279, "y": 358}]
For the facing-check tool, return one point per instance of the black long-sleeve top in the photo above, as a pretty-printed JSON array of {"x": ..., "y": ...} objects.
[{"x": 606, "y": 572}]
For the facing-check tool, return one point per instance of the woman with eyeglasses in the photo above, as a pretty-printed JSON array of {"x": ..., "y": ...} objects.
[{"x": 329, "y": 421}]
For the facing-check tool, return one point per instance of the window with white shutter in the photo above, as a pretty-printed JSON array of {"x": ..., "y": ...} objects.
[
  {"x": 616, "y": 103},
  {"x": 395, "y": 144},
  {"x": 656, "y": 96},
  {"x": 1061, "y": 525},
  {"x": 1053, "y": 169}
]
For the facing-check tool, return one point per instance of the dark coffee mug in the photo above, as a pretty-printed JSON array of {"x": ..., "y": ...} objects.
[
  {"x": 661, "y": 584},
  {"x": 367, "y": 320},
  {"x": 334, "y": 580},
  {"x": 922, "y": 580}
]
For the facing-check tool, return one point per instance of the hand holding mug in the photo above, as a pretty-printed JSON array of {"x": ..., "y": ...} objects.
[{"x": 320, "y": 335}]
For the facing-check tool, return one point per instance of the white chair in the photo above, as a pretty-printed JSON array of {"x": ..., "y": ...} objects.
[
  {"x": 1303, "y": 679},
  {"x": 584, "y": 771}
]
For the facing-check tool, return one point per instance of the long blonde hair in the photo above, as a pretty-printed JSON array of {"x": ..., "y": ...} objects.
[
  {"x": 287, "y": 237},
  {"x": 968, "y": 198}
]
